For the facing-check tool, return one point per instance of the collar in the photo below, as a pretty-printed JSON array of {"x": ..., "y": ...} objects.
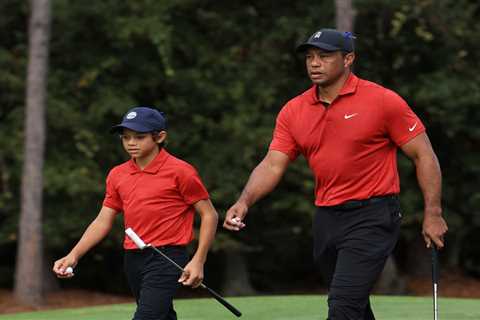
[
  {"x": 349, "y": 87},
  {"x": 153, "y": 166}
]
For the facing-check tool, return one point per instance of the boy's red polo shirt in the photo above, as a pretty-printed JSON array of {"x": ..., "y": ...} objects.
[
  {"x": 351, "y": 145},
  {"x": 157, "y": 202}
]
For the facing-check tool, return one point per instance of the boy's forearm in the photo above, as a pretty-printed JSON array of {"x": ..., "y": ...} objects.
[
  {"x": 93, "y": 235},
  {"x": 206, "y": 236},
  {"x": 96, "y": 231}
]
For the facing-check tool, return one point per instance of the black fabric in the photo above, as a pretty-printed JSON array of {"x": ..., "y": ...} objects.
[
  {"x": 350, "y": 248},
  {"x": 153, "y": 281}
]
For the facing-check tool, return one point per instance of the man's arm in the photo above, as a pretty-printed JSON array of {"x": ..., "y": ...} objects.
[
  {"x": 193, "y": 274},
  {"x": 263, "y": 180},
  {"x": 96, "y": 231},
  {"x": 429, "y": 177}
]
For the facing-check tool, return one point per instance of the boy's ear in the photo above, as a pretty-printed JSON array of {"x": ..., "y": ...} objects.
[{"x": 160, "y": 137}]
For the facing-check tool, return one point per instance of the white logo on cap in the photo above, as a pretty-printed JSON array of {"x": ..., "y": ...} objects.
[
  {"x": 317, "y": 35},
  {"x": 131, "y": 115}
]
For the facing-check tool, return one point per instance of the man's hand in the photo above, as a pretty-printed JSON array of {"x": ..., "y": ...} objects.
[
  {"x": 192, "y": 275},
  {"x": 234, "y": 217},
  {"x": 434, "y": 228},
  {"x": 61, "y": 265}
]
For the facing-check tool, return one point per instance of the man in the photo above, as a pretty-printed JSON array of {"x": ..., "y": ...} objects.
[{"x": 349, "y": 130}]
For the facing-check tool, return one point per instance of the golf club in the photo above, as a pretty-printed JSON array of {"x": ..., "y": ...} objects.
[
  {"x": 141, "y": 245},
  {"x": 435, "y": 281}
]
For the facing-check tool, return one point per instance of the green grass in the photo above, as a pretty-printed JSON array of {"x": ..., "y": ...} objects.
[{"x": 273, "y": 308}]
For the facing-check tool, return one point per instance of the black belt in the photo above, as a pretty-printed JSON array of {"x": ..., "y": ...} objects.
[
  {"x": 165, "y": 247},
  {"x": 355, "y": 204}
]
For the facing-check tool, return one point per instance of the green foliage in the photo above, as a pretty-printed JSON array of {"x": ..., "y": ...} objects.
[{"x": 221, "y": 71}]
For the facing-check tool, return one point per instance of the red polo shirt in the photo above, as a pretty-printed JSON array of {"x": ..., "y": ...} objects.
[
  {"x": 350, "y": 145},
  {"x": 157, "y": 201}
]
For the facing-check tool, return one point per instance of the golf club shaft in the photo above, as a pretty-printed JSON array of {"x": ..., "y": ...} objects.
[
  {"x": 435, "y": 281},
  {"x": 213, "y": 293}
]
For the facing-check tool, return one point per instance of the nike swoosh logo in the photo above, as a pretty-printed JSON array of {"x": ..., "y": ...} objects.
[
  {"x": 348, "y": 116},
  {"x": 412, "y": 128}
]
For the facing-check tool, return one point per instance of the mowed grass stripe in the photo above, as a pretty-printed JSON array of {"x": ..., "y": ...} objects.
[{"x": 297, "y": 307}]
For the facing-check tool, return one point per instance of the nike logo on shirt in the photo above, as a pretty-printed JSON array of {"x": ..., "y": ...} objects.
[
  {"x": 413, "y": 127},
  {"x": 348, "y": 116}
]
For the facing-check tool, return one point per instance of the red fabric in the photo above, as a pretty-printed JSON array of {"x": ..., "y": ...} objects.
[
  {"x": 351, "y": 145},
  {"x": 157, "y": 202}
]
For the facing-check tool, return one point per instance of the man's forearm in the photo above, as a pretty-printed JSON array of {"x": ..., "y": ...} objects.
[
  {"x": 262, "y": 181},
  {"x": 430, "y": 181}
]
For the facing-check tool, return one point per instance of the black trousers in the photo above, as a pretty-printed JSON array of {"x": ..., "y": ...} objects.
[
  {"x": 351, "y": 245},
  {"x": 154, "y": 281}
]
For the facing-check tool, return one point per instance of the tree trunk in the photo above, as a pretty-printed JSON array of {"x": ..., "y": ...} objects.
[
  {"x": 344, "y": 15},
  {"x": 391, "y": 282},
  {"x": 236, "y": 279},
  {"x": 419, "y": 261},
  {"x": 29, "y": 270}
]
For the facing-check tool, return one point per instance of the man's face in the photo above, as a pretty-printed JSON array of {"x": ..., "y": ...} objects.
[{"x": 325, "y": 67}]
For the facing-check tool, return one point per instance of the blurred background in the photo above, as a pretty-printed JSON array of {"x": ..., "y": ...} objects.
[{"x": 221, "y": 71}]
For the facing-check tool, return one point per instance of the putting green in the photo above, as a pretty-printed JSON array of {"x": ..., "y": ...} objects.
[{"x": 296, "y": 307}]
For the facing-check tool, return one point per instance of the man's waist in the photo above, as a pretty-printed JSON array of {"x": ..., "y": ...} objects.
[{"x": 355, "y": 204}]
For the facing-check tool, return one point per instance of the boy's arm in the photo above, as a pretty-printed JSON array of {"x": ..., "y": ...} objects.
[
  {"x": 193, "y": 274},
  {"x": 96, "y": 231}
]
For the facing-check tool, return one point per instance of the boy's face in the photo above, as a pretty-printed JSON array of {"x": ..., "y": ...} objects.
[{"x": 141, "y": 145}]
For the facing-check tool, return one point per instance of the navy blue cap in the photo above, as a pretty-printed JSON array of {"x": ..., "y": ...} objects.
[
  {"x": 142, "y": 119},
  {"x": 329, "y": 40}
]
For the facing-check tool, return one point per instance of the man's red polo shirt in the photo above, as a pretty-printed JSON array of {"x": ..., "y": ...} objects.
[
  {"x": 157, "y": 202},
  {"x": 350, "y": 145}
]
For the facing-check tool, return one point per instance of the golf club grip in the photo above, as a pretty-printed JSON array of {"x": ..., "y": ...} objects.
[
  {"x": 434, "y": 264},
  {"x": 435, "y": 281},
  {"x": 220, "y": 299}
]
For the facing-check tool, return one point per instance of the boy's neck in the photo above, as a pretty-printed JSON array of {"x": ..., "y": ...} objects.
[{"x": 143, "y": 162}]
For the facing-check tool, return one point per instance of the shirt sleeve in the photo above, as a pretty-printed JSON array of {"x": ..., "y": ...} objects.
[
  {"x": 283, "y": 139},
  {"x": 112, "y": 198},
  {"x": 191, "y": 186},
  {"x": 402, "y": 124}
]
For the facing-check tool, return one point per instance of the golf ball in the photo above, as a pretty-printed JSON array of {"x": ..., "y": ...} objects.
[{"x": 69, "y": 270}]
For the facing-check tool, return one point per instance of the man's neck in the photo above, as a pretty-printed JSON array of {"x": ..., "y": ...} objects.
[{"x": 331, "y": 91}]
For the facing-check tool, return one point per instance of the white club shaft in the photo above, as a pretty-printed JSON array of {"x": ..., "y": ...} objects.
[{"x": 135, "y": 238}]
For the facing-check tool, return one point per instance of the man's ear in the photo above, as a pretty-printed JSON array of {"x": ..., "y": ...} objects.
[{"x": 348, "y": 59}]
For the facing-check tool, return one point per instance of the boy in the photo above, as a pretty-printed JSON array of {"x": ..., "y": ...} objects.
[{"x": 158, "y": 195}]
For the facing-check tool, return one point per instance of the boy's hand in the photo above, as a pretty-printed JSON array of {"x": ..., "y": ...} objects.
[
  {"x": 61, "y": 265},
  {"x": 192, "y": 275}
]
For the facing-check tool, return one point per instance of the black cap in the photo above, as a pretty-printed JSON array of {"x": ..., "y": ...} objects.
[
  {"x": 329, "y": 40},
  {"x": 142, "y": 119}
]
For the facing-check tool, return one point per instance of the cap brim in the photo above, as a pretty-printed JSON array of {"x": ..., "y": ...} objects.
[
  {"x": 132, "y": 126},
  {"x": 320, "y": 45}
]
